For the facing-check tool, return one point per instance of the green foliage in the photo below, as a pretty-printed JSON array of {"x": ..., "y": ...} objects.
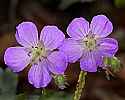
[
  {"x": 60, "y": 95},
  {"x": 50, "y": 95},
  {"x": 8, "y": 82},
  {"x": 21, "y": 96},
  {"x": 120, "y": 3},
  {"x": 114, "y": 63},
  {"x": 8, "y": 85}
]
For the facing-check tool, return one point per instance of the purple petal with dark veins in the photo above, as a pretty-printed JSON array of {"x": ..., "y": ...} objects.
[
  {"x": 57, "y": 62},
  {"x": 101, "y": 26},
  {"x": 78, "y": 28},
  {"x": 16, "y": 58},
  {"x": 52, "y": 37},
  {"x": 39, "y": 75},
  {"x": 107, "y": 47},
  {"x": 72, "y": 49},
  {"x": 27, "y": 34}
]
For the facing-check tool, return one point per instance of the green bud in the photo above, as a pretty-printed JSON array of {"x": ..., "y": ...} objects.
[
  {"x": 113, "y": 63},
  {"x": 60, "y": 81},
  {"x": 44, "y": 92}
]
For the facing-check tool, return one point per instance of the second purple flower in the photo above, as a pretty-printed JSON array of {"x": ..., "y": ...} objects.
[{"x": 88, "y": 43}]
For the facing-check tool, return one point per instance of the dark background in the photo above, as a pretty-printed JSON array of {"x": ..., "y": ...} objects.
[{"x": 60, "y": 13}]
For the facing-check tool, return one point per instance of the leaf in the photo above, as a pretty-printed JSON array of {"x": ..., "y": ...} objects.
[{"x": 8, "y": 82}]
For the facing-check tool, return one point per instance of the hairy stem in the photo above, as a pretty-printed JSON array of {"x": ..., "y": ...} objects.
[{"x": 80, "y": 85}]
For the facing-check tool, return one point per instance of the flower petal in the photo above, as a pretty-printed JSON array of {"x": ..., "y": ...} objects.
[
  {"x": 101, "y": 26},
  {"x": 72, "y": 49},
  {"x": 27, "y": 34},
  {"x": 88, "y": 62},
  {"x": 16, "y": 58},
  {"x": 58, "y": 62},
  {"x": 78, "y": 28},
  {"x": 107, "y": 46},
  {"x": 98, "y": 58},
  {"x": 52, "y": 37},
  {"x": 39, "y": 75}
]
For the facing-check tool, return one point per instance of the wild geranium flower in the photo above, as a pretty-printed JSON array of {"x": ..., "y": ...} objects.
[
  {"x": 89, "y": 43},
  {"x": 42, "y": 54}
]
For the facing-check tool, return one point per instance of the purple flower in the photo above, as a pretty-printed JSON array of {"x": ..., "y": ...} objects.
[
  {"x": 42, "y": 54},
  {"x": 88, "y": 43}
]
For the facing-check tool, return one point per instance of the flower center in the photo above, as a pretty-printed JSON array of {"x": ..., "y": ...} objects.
[
  {"x": 38, "y": 53},
  {"x": 89, "y": 43}
]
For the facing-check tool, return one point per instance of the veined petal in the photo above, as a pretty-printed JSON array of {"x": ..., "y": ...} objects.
[
  {"x": 39, "y": 75},
  {"x": 98, "y": 58},
  {"x": 101, "y": 26},
  {"x": 72, "y": 49},
  {"x": 57, "y": 62},
  {"x": 52, "y": 37},
  {"x": 16, "y": 58},
  {"x": 107, "y": 46},
  {"x": 27, "y": 34},
  {"x": 78, "y": 28},
  {"x": 88, "y": 62}
]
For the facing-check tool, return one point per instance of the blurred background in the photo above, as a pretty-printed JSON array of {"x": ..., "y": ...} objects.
[{"x": 60, "y": 12}]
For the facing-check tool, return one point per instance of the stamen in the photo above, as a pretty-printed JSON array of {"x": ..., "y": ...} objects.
[
  {"x": 37, "y": 53},
  {"x": 89, "y": 42}
]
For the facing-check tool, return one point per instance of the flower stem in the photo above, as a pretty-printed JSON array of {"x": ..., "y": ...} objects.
[{"x": 80, "y": 85}]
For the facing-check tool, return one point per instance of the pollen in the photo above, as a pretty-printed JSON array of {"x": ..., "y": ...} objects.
[
  {"x": 38, "y": 53},
  {"x": 89, "y": 43}
]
